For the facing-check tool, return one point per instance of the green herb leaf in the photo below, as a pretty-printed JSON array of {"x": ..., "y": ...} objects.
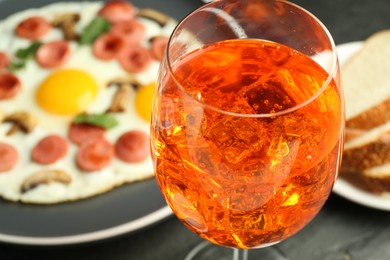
[
  {"x": 22, "y": 55},
  {"x": 94, "y": 29},
  {"x": 17, "y": 65},
  {"x": 103, "y": 120},
  {"x": 29, "y": 52}
]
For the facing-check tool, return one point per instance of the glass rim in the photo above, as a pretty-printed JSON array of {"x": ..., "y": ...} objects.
[{"x": 332, "y": 72}]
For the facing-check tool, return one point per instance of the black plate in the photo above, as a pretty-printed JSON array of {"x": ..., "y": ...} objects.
[{"x": 123, "y": 210}]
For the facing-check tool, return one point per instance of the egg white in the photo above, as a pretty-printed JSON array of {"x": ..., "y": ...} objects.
[{"x": 83, "y": 184}]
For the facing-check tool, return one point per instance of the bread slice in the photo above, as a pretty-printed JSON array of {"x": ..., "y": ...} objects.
[
  {"x": 377, "y": 179},
  {"x": 366, "y": 76},
  {"x": 373, "y": 117},
  {"x": 352, "y": 133},
  {"x": 367, "y": 150}
]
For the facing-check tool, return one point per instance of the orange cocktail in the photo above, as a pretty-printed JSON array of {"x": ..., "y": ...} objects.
[{"x": 246, "y": 140}]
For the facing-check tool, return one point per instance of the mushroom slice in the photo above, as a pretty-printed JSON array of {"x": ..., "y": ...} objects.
[
  {"x": 67, "y": 23},
  {"x": 2, "y": 116},
  {"x": 45, "y": 177},
  {"x": 152, "y": 14},
  {"x": 21, "y": 121},
  {"x": 130, "y": 81},
  {"x": 121, "y": 96}
]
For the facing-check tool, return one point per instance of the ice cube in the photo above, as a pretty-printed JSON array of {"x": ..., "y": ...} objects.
[
  {"x": 268, "y": 97},
  {"x": 236, "y": 138},
  {"x": 221, "y": 135}
]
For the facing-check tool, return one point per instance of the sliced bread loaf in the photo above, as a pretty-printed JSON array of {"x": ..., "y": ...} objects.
[{"x": 366, "y": 78}]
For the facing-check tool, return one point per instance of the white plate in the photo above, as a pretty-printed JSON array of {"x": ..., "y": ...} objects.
[{"x": 343, "y": 187}]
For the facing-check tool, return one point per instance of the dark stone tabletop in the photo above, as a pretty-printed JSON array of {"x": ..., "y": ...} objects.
[{"x": 341, "y": 231}]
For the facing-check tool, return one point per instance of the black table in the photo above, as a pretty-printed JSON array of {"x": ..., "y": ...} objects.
[{"x": 341, "y": 231}]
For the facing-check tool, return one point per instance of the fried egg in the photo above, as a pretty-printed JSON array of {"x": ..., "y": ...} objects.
[{"x": 56, "y": 96}]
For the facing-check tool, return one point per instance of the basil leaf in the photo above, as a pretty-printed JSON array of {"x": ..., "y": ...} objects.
[
  {"x": 28, "y": 52},
  {"x": 17, "y": 65},
  {"x": 22, "y": 55},
  {"x": 94, "y": 29},
  {"x": 103, "y": 120}
]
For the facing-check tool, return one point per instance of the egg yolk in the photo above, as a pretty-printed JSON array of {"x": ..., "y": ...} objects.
[
  {"x": 67, "y": 92},
  {"x": 143, "y": 101}
]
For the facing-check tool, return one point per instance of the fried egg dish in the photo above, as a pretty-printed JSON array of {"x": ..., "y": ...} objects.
[{"x": 76, "y": 84}]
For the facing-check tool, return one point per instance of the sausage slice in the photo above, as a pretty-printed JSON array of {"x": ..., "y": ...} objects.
[
  {"x": 4, "y": 60},
  {"x": 8, "y": 157},
  {"x": 108, "y": 46},
  {"x": 117, "y": 11},
  {"x": 9, "y": 86},
  {"x": 94, "y": 154},
  {"x": 79, "y": 133},
  {"x": 53, "y": 54},
  {"x": 132, "y": 146},
  {"x": 131, "y": 31},
  {"x": 49, "y": 149},
  {"x": 135, "y": 59},
  {"x": 159, "y": 44},
  {"x": 33, "y": 28}
]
